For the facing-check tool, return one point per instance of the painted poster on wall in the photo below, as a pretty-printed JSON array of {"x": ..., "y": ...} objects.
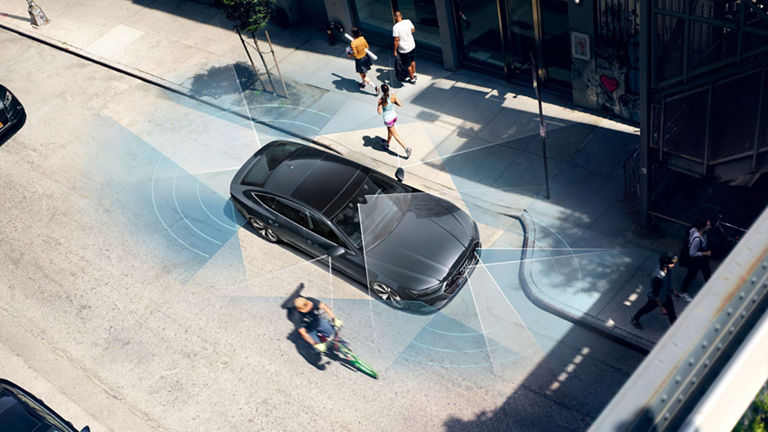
[{"x": 580, "y": 45}]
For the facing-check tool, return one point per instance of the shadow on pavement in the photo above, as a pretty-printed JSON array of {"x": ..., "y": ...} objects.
[
  {"x": 346, "y": 84},
  {"x": 378, "y": 143},
  {"x": 562, "y": 392},
  {"x": 16, "y": 17},
  {"x": 224, "y": 80},
  {"x": 195, "y": 11},
  {"x": 386, "y": 76},
  {"x": 302, "y": 347}
]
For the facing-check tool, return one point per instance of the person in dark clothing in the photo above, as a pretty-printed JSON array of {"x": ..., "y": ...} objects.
[
  {"x": 699, "y": 256},
  {"x": 659, "y": 294},
  {"x": 309, "y": 322}
]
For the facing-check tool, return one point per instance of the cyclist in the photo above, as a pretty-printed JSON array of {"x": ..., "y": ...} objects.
[{"x": 309, "y": 322}]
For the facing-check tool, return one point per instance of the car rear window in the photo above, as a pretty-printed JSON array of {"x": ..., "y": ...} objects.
[
  {"x": 20, "y": 413},
  {"x": 267, "y": 162}
]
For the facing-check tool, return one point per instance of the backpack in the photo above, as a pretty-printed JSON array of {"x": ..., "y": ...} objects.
[
  {"x": 685, "y": 259},
  {"x": 401, "y": 70}
]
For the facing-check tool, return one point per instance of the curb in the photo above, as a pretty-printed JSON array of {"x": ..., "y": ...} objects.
[{"x": 586, "y": 321}]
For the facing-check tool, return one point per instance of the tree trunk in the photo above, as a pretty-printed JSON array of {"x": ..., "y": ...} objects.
[
  {"x": 266, "y": 68},
  {"x": 248, "y": 53}
]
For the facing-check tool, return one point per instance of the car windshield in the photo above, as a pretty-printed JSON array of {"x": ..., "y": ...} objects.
[
  {"x": 382, "y": 201},
  {"x": 268, "y": 161}
]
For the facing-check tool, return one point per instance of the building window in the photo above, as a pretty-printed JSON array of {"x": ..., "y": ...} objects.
[
  {"x": 480, "y": 37},
  {"x": 374, "y": 16},
  {"x": 423, "y": 14}
]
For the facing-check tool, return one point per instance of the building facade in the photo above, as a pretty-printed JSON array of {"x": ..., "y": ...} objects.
[
  {"x": 693, "y": 77},
  {"x": 586, "y": 49}
]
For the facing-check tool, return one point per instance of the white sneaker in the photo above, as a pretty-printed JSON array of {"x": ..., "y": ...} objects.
[{"x": 686, "y": 297}]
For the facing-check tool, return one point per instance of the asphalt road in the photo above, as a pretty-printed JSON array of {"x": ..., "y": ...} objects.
[{"x": 133, "y": 297}]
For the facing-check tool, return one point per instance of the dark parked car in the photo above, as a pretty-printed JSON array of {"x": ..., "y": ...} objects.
[
  {"x": 419, "y": 249},
  {"x": 12, "y": 114},
  {"x": 20, "y": 411}
]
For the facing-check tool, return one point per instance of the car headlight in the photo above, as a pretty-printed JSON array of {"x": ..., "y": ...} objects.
[{"x": 427, "y": 291}]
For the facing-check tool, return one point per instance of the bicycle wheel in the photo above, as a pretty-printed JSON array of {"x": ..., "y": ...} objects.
[{"x": 357, "y": 362}]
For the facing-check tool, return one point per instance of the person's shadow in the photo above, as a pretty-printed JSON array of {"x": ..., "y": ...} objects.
[
  {"x": 387, "y": 76},
  {"x": 349, "y": 85},
  {"x": 378, "y": 143}
]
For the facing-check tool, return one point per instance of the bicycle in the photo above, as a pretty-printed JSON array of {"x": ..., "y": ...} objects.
[{"x": 338, "y": 346}]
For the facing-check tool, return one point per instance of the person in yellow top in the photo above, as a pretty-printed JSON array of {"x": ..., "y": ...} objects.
[{"x": 362, "y": 62}]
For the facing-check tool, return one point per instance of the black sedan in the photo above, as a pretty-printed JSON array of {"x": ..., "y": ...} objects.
[
  {"x": 20, "y": 411},
  {"x": 12, "y": 114},
  {"x": 413, "y": 250}
]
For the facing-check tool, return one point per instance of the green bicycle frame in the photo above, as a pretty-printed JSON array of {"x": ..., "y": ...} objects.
[{"x": 356, "y": 361}]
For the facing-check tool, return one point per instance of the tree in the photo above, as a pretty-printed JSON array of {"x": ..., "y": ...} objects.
[
  {"x": 756, "y": 417},
  {"x": 249, "y": 16}
]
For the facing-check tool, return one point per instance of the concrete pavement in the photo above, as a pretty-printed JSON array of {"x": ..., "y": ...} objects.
[{"x": 474, "y": 137}]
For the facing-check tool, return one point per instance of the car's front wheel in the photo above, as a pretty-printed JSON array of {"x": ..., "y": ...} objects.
[
  {"x": 387, "y": 294},
  {"x": 263, "y": 229}
]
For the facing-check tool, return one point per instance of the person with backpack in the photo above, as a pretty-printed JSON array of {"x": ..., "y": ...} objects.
[
  {"x": 659, "y": 292},
  {"x": 698, "y": 256},
  {"x": 405, "y": 45}
]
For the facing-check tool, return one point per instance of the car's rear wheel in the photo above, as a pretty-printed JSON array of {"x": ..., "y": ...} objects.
[
  {"x": 263, "y": 229},
  {"x": 387, "y": 294}
]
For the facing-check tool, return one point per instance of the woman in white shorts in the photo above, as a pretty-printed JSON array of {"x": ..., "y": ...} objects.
[{"x": 386, "y": 108}]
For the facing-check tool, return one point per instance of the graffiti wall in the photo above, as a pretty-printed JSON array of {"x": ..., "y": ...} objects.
[{"x": 612, "y": 82}]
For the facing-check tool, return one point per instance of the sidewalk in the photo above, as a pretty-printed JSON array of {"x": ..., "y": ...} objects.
[{"x": 475, "y": 141}]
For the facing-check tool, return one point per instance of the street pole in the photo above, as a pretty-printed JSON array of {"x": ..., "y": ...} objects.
[
  {"x": 646, "y": 23},
  {"x": 36, "y": 14},
  {"x": 266, "y": 68},
  {"x": 277, "y": 66},
  {"x": 245, "y": 47},
  {"x": 542, "y": 125}
]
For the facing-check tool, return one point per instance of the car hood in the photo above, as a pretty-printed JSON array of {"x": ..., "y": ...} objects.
[{"x": 420, "y": 250}]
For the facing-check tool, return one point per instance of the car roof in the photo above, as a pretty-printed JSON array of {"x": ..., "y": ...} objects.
[{"x": 317, "y": 179}]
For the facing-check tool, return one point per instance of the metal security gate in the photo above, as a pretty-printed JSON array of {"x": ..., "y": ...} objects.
[{"x": 704, "y": 94}]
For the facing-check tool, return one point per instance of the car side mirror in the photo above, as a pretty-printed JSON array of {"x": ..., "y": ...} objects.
[
  {"x": 400, "y": 174},
  {"x": 85, "y": 429},
  {"x": 336, "y": 251}
]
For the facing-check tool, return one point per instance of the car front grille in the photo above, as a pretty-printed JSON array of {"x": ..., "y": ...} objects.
[
  {"x": 462, "y": 274},
  {"x": 15, "y": 114}
]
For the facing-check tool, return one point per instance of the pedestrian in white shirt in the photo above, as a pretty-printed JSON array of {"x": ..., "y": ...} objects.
[{"x": 405, "y": 45}]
